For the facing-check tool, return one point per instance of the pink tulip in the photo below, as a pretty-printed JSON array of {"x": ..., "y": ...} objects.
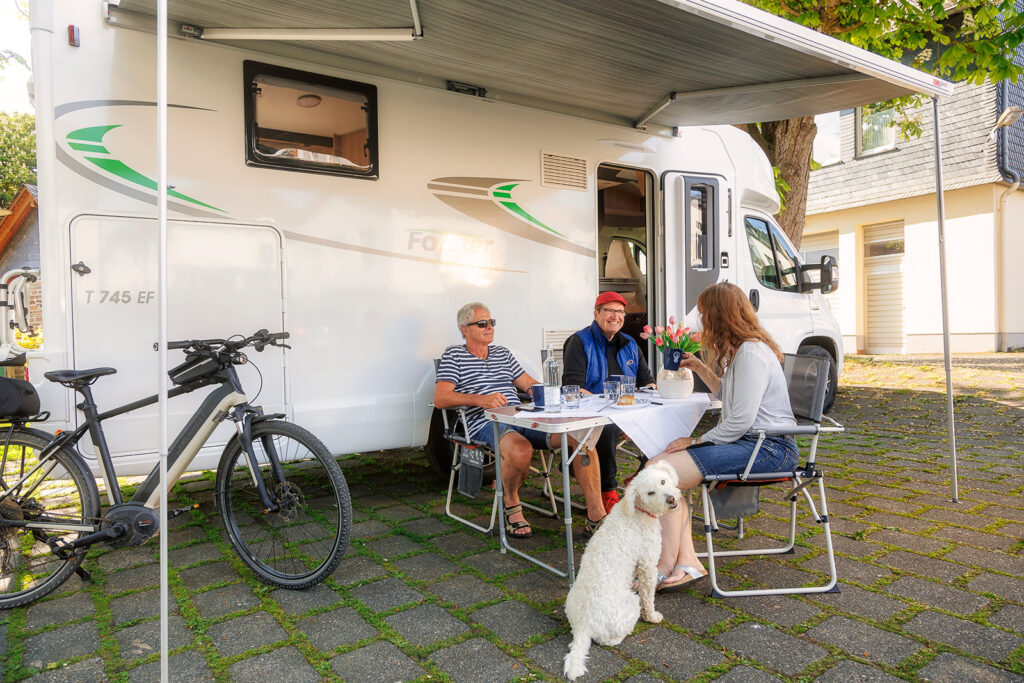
[
  {"x": 686, "y": 330},
  {"x": 644, "y": 335},
  {"x": 671, "y": 320},
  {"x": 695, "y": 336},
  {"x": 659, "y": 329},
  {"x": 647, "y": 330},
  {"x": 675, "y": 339},
  {"x": 658, "y": 341}
]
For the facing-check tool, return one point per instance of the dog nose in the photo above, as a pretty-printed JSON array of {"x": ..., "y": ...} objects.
[{"x": 671, "y": 500}]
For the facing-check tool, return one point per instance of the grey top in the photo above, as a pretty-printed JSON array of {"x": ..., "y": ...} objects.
[{"x": 753, "y": 393}]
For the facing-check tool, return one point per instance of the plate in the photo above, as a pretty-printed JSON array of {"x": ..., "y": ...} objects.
[{"x": 635, "y": 406}]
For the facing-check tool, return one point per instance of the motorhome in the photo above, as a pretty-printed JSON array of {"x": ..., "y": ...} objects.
[{"x": 357, "y": 206}]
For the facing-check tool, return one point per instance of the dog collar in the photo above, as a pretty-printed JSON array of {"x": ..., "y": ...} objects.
[{"x": 639, "y": 509}]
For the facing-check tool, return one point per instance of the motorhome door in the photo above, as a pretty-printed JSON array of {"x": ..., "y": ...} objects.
[
  {"x": 223, "y": 280},
  {"x": 693, "y": 249}
]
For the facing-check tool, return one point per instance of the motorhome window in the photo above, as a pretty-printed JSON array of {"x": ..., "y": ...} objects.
[
  {"x": 699, "y": 227},
  {"x": 310, "y": 123},
  {"x": 762, "y": 255},
  {"x": 787, "y": 261},
  {"x": 875, "y": 132}
]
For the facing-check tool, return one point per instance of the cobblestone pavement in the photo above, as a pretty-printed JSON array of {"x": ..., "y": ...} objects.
[{"x": 931, "y": 590}]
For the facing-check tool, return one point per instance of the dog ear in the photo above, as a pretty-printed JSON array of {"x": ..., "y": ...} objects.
[{"x": 667, "y": 468}]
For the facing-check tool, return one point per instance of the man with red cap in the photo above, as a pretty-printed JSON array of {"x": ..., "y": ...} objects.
[{"x": 590, "y": 356}]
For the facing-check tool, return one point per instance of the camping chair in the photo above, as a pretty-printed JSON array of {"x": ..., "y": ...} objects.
[
  {"x": 735, "y": 495},
  {"x": 471, "y": 457}
]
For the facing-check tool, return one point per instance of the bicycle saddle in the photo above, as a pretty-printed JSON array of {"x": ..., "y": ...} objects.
[{"x": 77, "y": 376}]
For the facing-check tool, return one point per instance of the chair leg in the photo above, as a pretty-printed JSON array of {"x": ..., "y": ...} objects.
[{"x": 451, "y": 488}]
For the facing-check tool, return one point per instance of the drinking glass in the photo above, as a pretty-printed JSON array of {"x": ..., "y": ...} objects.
[
  {"x": 611, "y": 389},
  {"x": 571, "y": 396},
  {"x": 627, "y": 386}
]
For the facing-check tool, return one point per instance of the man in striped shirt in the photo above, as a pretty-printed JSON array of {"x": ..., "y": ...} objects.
[{"x": 483, "y": 376}]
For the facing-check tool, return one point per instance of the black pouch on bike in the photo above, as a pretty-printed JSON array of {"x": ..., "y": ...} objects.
[
  {"x": 18, "y": 398},
  {"x": 471, "y": 471}
]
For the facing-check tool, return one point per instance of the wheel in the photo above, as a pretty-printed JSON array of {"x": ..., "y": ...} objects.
[
  {"x": 299, "y": 544},
  {"x": 833, "y": 373},
  {"x": 62, "y": 491}
]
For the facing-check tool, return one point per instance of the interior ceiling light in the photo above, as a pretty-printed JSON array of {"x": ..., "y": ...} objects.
[{"x": 308, "y": 100}]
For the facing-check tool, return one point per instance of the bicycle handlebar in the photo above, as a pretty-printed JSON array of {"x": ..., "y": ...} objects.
[{"x": 259, "y": 340}]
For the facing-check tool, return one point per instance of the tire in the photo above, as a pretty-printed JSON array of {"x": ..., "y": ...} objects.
[
  {"x": 66, "y": 492},
  {"x": 299, "y": 545},
  {"x": 833, "y": 372}
]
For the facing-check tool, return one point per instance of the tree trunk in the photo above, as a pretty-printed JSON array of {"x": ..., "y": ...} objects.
[{"x": 788, "y": 145}]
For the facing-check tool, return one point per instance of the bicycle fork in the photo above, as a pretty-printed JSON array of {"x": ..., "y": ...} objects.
[{"x": 244, "y": 416}]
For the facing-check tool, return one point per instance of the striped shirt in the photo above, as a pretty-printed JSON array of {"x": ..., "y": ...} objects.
[{"x": 471, "y": 375}]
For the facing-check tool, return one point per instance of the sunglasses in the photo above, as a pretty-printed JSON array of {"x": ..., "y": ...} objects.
[{"x": 483, "y": 324}]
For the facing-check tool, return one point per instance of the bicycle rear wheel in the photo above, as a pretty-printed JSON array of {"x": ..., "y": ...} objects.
[
  {"x": 300, "y": 544},
  {"x": 58, "y": 495}
]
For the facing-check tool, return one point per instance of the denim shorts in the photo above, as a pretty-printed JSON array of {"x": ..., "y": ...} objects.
[
  {"x": 539, "y": 440},
  {"x": 777, "y": 454}
]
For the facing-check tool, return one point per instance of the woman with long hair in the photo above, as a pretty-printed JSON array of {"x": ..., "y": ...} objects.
[{"x": 742, "y": 366}]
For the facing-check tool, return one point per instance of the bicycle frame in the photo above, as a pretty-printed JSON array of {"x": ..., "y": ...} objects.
[{"x": 227, "y": 401}]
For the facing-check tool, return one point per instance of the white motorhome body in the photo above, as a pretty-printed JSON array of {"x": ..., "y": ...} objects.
[{"x": 467, "y": 199}]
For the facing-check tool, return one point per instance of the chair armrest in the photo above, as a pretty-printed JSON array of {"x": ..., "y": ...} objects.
[{"x": 792, "y": 430}]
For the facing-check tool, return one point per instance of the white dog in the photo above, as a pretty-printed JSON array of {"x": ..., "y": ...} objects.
[{"x": 602, "y": 605}]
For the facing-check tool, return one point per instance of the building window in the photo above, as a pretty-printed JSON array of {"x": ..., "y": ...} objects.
[
  {"x": 300, "y": 121},
  {"x": 874, "y": 131},
  {"x": 826, "y": 140}
]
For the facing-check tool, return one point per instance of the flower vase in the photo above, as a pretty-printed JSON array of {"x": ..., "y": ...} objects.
[{"x": 675, "y": 383}]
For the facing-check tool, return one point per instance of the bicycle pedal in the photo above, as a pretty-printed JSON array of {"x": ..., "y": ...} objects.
[
  {"x": 86, "y": 576},
  {"x": 171, "y": 514}
]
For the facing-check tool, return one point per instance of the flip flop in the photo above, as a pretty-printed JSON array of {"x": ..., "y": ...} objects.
[{"x": 693, "y": 576}]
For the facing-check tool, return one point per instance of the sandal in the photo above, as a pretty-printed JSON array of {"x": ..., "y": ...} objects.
[
  {"x": 693, "y": 576},
  {"x": 511, "y": 528},
  {"x": 590, "y": 527}
]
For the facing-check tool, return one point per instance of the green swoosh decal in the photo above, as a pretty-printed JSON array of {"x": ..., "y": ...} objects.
[
  {"x": 518, "y": 210},
  {"x": 122, "y": 170},
  {"x": 92, "y": 134}
]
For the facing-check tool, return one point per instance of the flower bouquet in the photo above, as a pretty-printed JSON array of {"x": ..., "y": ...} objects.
[{"x": 673, "y": 340}]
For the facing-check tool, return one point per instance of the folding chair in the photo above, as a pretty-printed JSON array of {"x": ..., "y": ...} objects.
[
  {"x": 471, "y": 453},
  {"x": 736, "y": 494}
]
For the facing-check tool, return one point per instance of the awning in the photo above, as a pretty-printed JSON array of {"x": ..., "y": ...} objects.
[{"x": 670, "y": 62}]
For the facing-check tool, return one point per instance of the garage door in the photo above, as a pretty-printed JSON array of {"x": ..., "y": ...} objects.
[
  {"x": 883, "y": 270},
  {"x": 812, "y": 248}
]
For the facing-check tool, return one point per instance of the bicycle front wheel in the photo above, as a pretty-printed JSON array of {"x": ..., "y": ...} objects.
[
  {"x": 300, "y": 543},
  {"x": 58, "y": 497}
]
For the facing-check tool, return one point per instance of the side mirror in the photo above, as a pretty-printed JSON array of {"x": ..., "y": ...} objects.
[{"x": 829, "y": 274}]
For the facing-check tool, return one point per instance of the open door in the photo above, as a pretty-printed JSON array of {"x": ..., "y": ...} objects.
[{"x": 223, "y": 280}]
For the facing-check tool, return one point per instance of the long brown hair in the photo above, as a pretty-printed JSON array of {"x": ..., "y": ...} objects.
[{"x": 728, "y": 321}]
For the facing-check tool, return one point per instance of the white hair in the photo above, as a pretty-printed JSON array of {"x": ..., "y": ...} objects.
[{"x": 465, "y": 314}]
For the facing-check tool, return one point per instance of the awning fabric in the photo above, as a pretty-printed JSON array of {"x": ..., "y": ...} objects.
[{"x": 689, "y": 61}]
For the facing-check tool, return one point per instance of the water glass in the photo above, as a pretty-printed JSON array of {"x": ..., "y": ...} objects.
[
  {"x": 628, "y": 386},
  {"x": 571, "y": 396},
  {"x": 611, "y": 389}
]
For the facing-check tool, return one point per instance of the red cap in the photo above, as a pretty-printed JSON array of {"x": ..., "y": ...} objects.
[{"x": 606, "y": 297}]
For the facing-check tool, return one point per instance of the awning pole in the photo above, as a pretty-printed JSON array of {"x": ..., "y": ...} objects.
[
  {"x": 161, "y": 297},
  {"x": 951, "y": 418}
]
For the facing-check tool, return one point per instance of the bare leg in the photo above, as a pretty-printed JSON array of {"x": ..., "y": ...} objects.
[
  {"x": 516, "y": 453},
  {"x": 588, "y": 474},
  {"x": 676, "y": 528}
]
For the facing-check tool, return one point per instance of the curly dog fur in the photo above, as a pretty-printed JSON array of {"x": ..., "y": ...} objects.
[{"x": 602, "y": 605}]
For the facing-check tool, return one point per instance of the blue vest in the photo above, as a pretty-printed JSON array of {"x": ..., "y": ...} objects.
[{"x": 595, "y": 344}]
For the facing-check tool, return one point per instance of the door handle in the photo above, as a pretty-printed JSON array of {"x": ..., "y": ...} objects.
[
  {"x": 81, "y": 268},
  {"x": 755, "y": 299}
]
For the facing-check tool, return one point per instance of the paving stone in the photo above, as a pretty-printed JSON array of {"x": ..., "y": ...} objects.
[
  {"x": 386, "y": 594},
  {"x": 459, "y": 543},
  {"x": 1001, "y": 562},
  {"x": 331, "y": 630},
  {"x": 773, "y": 648},
  {"x": 235, "y": 636},
  {"x": 428, "y": 526},
  {"x": 921, "y": 544},
  {"x": 426, "y": 566},
  {"x": 690, "y": 611},
  {"x": 399, "y": 512},
  {"x": 860, "y": 602},
  {"x": 297, "y": 602},
  {"x": 122, "y": 558},
  {"x": 958, "y": 518},
  {"x": 772, "y": 574},
  {"x": 864, "y": 641},
  {"x": 539, "y": 586},
  {"x": 221, "y": 601},
  {"x": 88, "y": 670},
  {"x": 672, "y": 654},
  {"x": 143, "y": 639},
  {"x": 139, "y": 605},
  {"x": 912, "y": 524},
  {"x": 863, "y": 572},
  {"x": 845, "y": 546},
  {"x": 62, "y": 643},
  {"x": 931, "y": 593},
  {"x": 193, "y": 554},
  {"x": 465, "y": 591},
  {"x": 925, "y": 566},
  {"x": 966, "y": 636},
  {"x": 950, "y": 668},
  {"x": 778, "y": 609},
  {"x": 426, "y": 625},
  {"x": 746, "y": 674},
  {"x": 973, "y": 537},
  {"x": 493, "y": 564},
  {"x": 189, "y": 534},
  {"x": 376, "y": 662},
  {"x": 1011, "y": 617},
  {"x": 476, "y": 661},
  {"x": 208, "y": 574},
  {"x": 513, "y": 621},
  {"x": 58, "y": 611},
  {"x": 369, "y": 529},
  {"x": 129, "y": 579},
  {"x": 1003, "y": 586},
  {"x": 849, "y": 671},
  {"x": 285, "y": 664},
  {"x": 356, "y": 568},
  {"x": 393, "y": 546},
  {"x": 601, "y": 664},
  {"x": 1015, "y": 514}
]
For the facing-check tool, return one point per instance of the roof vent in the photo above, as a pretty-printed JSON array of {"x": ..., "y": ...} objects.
[{"x": 558, "y": 170}]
